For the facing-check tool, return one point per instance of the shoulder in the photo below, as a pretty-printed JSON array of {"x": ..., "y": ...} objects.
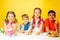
[
  {"x": 42, "y": 20},
  {"x": 46, "y": 20},
  {"x": 4, "y": 22},
  {"x": 57, "y": 22},
  {"x": 15, "y": 24},
  {"x": 31, "y": 20},
  {"x": 28, "y": 22}
]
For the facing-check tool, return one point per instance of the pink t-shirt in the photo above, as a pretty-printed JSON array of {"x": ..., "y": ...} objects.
[
  {"x": 39, "y": 22},
  {"x": 9, "y": 29},
  {"x": 36, "y": 26}
]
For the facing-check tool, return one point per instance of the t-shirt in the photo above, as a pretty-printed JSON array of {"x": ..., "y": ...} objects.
[
  {"x": 50, "y": 25},
  {"x": 26, "y": 27},
  {"x": 9, "y": 29}
]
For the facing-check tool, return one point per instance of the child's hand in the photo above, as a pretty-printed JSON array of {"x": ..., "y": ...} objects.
[
  {"x": 27, "y": 32},
  {"x": 10, "y": 25},
  {"x": 22, "y": 31},
  {"x": 37, "y": 33}
]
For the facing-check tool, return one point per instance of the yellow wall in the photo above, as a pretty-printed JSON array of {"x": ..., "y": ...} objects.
[{"x": 26, "y": 6}]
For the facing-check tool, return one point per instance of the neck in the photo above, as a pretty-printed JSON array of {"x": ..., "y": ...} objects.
[
  {"x": 10, "y": 22},
  {"x": 51, "y": 20},
  {"x": 24, "y": 24},
  {"x": 36, "y": 19}
]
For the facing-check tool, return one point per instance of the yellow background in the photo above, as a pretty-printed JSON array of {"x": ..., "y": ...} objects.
[{"x": 26, "y": 6}]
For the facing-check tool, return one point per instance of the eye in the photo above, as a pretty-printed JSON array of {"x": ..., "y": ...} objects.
[
  {"x": 49, "y": 15},
  {"x": 8, "y": 16}
]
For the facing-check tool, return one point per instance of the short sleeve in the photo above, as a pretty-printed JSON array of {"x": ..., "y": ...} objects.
[{"x": 46, "y": 23}]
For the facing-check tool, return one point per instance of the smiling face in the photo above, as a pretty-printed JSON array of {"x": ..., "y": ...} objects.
[
  {"x": 37, "y": 13},
  {"x": 10, "y": 17},
  {"x": 25, "y": 20},
  {"x": 51, "y": 16}
]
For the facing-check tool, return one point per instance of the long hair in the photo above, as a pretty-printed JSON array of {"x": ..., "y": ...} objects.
[
  {"x": 33, "y": 17},
  {"x": 7, "y": 21},
  {"x": 34, "y": 12}
]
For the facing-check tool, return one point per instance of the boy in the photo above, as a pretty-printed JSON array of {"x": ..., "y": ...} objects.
[
  {"x": 25, "y": 25},
  {"x": 50, "y": 23}
]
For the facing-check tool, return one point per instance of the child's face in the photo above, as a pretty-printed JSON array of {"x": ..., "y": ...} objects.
[
  {"x": 25, "y": 20},
  {"x": 37, "y": 13},
  {"x": 51, "y": 16},
  {"x": 10, "y": 17}
]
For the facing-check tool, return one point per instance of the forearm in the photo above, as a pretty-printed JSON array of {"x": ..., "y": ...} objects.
[
  {"x": 41, "y": 28},
  {"x": 29, "y": 30},
  {"x": 47, "y": 29},
  {"x": 14, "y": 29},
  {"x": 5, "y": 30}
]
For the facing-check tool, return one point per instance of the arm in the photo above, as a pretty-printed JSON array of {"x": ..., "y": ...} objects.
[
  {"x": 47, "y": 29},
  {"x": 46, "y": 25},
  {"x": 4, "y": 24},
  {"x": 14, "y": 28},
  {"x": 41, "y": 28},
  {"x": 22, "y": 28},
  {"x": 29, "y": 31}
]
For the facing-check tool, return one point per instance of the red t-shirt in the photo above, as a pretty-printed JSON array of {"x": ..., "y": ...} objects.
[{"x": 50, "y": 25}]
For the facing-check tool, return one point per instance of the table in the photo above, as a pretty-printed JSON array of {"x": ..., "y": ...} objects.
[{"x": 29, "y": 37}]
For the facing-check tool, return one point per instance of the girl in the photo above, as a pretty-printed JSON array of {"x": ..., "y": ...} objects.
[
  {"x": 37, "y": 22},
  {"x": 10, "y": 23}
]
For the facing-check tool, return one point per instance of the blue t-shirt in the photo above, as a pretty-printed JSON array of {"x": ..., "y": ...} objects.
[{"x": 26, "y": 27}]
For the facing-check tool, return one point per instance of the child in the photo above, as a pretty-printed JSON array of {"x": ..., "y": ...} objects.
[
  {"x": 10, "y": 23},
  {"x": 50, "y": 23},
  {"x": 25, "y": 25},
  {"x": 59, "y": 29},
  {"x": 36, "y": 23}
]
